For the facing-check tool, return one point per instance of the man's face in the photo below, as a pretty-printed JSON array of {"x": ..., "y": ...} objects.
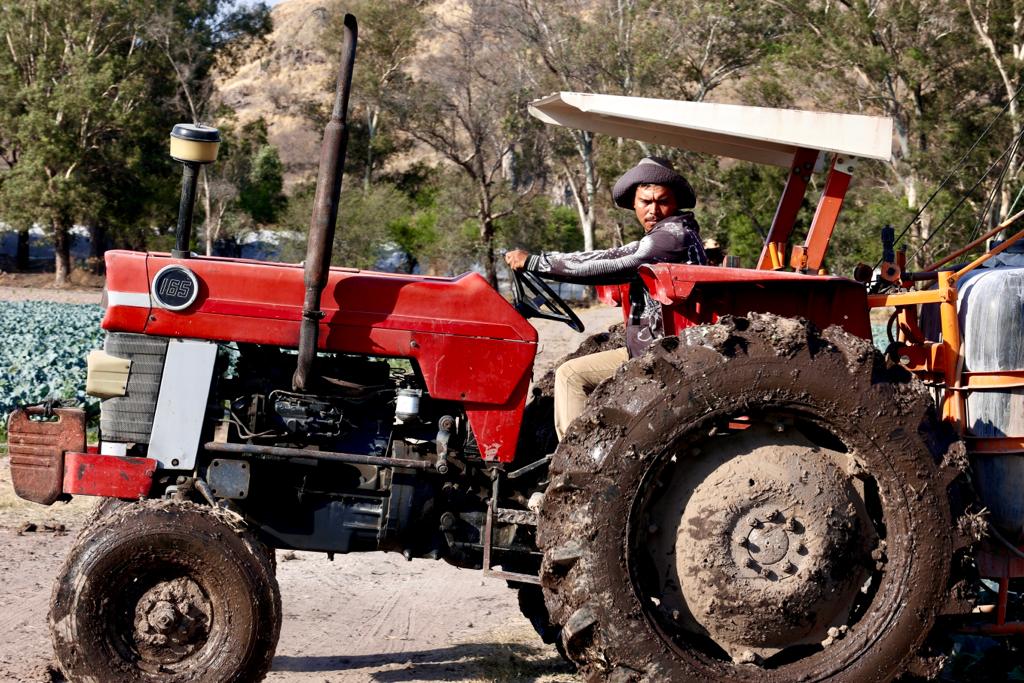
[{"x": 654, "y": 203}]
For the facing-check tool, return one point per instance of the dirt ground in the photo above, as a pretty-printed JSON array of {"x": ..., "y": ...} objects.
[
  {"x": 84, "y": 288},
  {"x": 363, "y": 617}
]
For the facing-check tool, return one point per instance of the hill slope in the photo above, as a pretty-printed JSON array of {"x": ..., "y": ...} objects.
[{"x": 290, "y": 71}]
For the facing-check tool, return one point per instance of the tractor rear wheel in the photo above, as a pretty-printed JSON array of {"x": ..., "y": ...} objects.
[
  {"x": 754, "y": 502},
  {"x": 165, "y": 591}
]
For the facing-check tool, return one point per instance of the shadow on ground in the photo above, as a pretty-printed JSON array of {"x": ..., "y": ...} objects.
[{"x": 491, "y": 661}]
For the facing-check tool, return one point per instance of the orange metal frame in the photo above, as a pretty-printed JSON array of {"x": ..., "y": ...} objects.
[
  {"x": 789, "y": 205},
  {"x": 811, "y": 255},
  {"x": 943, "y": 361}
]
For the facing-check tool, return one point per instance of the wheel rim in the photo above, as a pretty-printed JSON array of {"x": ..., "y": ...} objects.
[
  {"x": 172, "y": 621},
  {"x": 757, "y": 545},
  {"x": 164, "y": 619}
]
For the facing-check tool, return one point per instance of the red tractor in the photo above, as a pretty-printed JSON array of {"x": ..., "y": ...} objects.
[{"x": 761, "y": 496}]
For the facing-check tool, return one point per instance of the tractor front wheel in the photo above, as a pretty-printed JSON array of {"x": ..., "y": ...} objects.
[
  {"x": 752, "y": 502},
  {"x": 163, "y": 591}
]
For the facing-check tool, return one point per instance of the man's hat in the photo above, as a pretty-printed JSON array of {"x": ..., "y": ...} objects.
[{"x": 653, "y": 171}]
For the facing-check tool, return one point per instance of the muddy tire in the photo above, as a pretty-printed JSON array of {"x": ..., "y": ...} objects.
[
  {"x": 165, "y": 591},
  {"x": 537, "y": 438},
  {"x": 753, "y": 502}
]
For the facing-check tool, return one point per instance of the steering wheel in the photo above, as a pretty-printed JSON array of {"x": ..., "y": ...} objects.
[{"x": 533, "y": 298}]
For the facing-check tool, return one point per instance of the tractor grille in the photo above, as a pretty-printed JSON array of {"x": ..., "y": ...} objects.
[{"x": 130, "y": 417}]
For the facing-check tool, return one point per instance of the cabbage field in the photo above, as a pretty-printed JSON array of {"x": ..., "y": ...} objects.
[{"x": 43, "y": 346}]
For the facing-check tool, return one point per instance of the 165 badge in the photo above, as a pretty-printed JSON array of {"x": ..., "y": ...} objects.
[{"x": 175, "y": 287}]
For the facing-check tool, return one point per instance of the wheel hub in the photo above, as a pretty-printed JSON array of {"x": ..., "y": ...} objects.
[
  {"x": 769, "y": 549},
  {"x": 172, "y": 620},
  {"x": 767, "y": 545},
  {"x": 163, "y": 616}
]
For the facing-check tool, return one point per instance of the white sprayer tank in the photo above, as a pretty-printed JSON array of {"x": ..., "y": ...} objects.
[{"x": 991, "y": 307}]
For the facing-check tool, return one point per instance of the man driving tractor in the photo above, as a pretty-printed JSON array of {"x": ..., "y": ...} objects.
[{"x": 660, "y": 198}]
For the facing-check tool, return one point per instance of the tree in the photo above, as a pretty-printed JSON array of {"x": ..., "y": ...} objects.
[
  {"x": 467, "y": 106},
  {"x": 84, "y": 117},
  {"x": 908, "y": 60},
  {"x": 366, "y": 222},
  {"x": 245, "y": 186},
  {"x": 999, "y": 28},
  {"x": 389, "y": 36},
  {"x": 681, "y": 49},
  {"x": 198, "y": 40},
  {"x": 74, "y": 76}
]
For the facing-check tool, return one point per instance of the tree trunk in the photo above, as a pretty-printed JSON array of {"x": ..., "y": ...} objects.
[
  {"x": 21, "y": 255},
  {"x": 371, "y": 130},
  {"x": 486, "y": 224},
  {"x": 97, "y": 247},
  {"x": 590, "y": 188},
  {"x": 208, "y": 228},
  {"x": 61, "y": 253},
  {"x": 487, "y": 237}
]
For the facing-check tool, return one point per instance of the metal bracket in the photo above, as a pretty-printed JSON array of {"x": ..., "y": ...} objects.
[
  {"x": 845, "y": 164},
  {"x": 492, "y": 509},
  {"x": 228, "y": 478}
]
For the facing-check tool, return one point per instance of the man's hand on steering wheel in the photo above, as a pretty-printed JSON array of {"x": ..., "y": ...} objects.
[
  {"x": 516, "y": 259},
  {"x": 533, "y": 298}
]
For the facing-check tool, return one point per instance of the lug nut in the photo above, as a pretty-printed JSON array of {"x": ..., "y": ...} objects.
[
  {"x": 755, "y": 523},
  {"x": 789, "y": 567},
  {"x": 742, "y": 542},
  {"x": 774, "y": 516},
  {"x": 801, "y": 548},
  {"x": 767, "y": 573},
  {"x": 790, "y": 524}
]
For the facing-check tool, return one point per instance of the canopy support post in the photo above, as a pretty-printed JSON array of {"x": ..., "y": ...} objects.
[
  {"x": 800, "y": 172},
  {"x": 810, "y": 256}
]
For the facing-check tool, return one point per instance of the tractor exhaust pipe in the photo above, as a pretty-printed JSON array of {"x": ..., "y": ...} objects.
[{"x": 325, "y": 210}]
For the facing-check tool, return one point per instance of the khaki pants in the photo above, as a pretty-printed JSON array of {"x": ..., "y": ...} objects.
[{"x": 576, "y": 378}]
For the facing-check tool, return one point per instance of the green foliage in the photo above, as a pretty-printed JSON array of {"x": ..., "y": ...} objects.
[
  {"x": 541, "y": 226},
  {"x": 91, "y": 90},
  {"x": 739, "y": 214},
  {"x": 857, "y": 237},
  {"x": 245, "y": 187},
  {"x": 389, "y": 34},
  {"x": 75, "y": 84},
  {"x": 261, "y": 194},
  {"x": 44, "y": 351},
  {"x": 369, "y": 224}
]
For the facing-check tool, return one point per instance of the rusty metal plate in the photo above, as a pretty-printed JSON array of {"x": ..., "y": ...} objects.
[
  {"x": 37, "y": 448},
  {"x": 87, "y": 474}
]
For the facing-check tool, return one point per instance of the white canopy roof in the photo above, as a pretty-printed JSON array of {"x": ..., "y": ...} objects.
[{"x": 758, "y": 134}]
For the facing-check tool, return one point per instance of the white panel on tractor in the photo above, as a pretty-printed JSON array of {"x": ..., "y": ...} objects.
[
  {"x": 758, "y": 134},
  {"x": 181, "y": 405}
]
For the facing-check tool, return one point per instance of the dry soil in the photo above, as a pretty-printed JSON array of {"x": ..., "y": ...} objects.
[{"x": 363, "y": 617}]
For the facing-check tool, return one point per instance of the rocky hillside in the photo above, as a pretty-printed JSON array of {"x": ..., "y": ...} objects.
[{"x": 281, "y": 78}]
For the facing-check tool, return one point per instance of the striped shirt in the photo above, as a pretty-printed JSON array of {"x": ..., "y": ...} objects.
[{"x": 675, "y": 239}]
